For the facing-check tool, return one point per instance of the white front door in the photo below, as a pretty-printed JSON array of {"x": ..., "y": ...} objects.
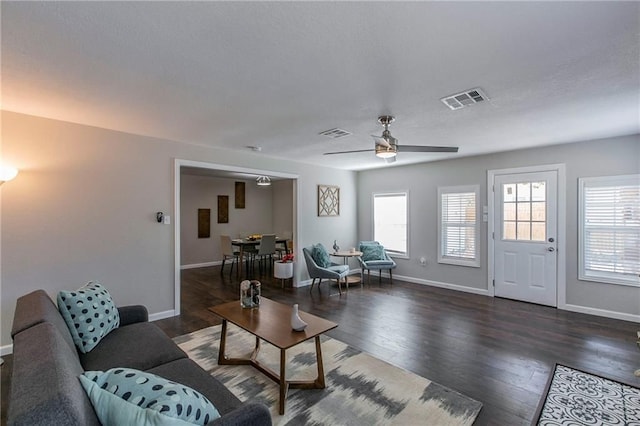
[{"x": 525, "y": 236}]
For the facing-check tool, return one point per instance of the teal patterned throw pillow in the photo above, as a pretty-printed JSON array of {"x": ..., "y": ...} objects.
[
  {"x": 124, "y": 396},
  {"x": 89, "y": 313},
  {"x": 372, "y": 252},
  {"x": 321, "y": 256}
]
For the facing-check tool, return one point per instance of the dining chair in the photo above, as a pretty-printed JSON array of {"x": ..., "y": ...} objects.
[
  {"x": 266, "y": 250},
  {"x": 375, "y": 257},
  {"x": 228, "y": 252},
  {"x": 333, "y": 271},
  {"x": 283, "y": 248}
]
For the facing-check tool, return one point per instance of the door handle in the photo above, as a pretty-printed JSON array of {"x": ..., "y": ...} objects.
[{"x": 551, "y": 249}]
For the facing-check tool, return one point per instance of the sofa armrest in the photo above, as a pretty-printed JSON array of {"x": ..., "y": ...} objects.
[
  {"x": 248, "y": 414},
  {"x": 133, "y": 314}
]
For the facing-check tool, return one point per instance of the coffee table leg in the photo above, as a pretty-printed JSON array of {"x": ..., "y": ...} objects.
[
  {"x": 223, "y": 342},
  {"x": 320, "y": 380},
  {"x": 283, "y": 381}
]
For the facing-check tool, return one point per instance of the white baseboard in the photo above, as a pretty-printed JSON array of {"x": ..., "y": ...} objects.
[
  {"x": 6, "y": 350},
  {"x": 450, "y": 286},
  {"x": 162, "y": 315},
  {"x": 601, "y": 312},
  {"x": 201, "y": 265}
]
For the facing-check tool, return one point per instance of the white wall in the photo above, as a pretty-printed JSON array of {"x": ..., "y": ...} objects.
[
  {"x": 614, "y": 156},
  {"x": 83, "y": 207}
]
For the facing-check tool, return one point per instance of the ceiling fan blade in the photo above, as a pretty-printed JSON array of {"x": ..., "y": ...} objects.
[
  {"x": 423, "y": 148},
  {"x": 349, "y": 152},
  {"x": 380, "y": 141}
]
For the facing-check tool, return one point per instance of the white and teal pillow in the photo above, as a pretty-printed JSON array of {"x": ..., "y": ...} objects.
[
  {"x": 124, "y": 396},
  {"x": 89, "y": 313},
  {"x": 320, "y": 255}
]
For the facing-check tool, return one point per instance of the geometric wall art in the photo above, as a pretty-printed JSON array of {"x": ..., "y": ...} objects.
[{"x": 328, "y": 200}]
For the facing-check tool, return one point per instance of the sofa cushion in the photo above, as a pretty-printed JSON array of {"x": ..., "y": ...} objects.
[
  {"x": 320, "y": 255},
  {"x": 144, "y": 399},
  {"x": 189, "y": 373},
  {"x": 44, "y": 384},
  {"x": 372, "y": 252},
  {"x": 141, "y": 346},
  {"x": 35, "y": 308},
  {"x": 89, "y": 313}
]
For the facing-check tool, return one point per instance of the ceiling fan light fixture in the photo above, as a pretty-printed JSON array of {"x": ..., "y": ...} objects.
[
  {"x": 386, "y": 151},
  {"x": 263, "y": 181}
]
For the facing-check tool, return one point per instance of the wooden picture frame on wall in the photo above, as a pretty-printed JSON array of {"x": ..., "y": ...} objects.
[
  {"x": 204, "y": 223},
  {"x": 223, "y": 209},
  {"x": 240, "y": 187},
  {"x": 328, "y": 200}
]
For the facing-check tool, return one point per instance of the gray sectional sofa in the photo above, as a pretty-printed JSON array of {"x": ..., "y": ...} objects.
[{"x": 45, "y": 389}]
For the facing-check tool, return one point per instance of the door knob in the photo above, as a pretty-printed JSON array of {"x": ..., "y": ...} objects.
[
  {"x": 551, "y": 240},
  {"x": 551, "y": 249}
]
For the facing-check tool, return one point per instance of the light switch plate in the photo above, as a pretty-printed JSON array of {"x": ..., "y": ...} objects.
[{"x": 167, "y": 219}]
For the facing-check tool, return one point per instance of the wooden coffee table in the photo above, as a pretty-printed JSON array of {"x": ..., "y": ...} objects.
[{"x": 271, "y": 322}]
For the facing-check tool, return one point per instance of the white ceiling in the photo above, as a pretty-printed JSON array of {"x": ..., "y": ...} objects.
[{"x": 275, "y": 74}]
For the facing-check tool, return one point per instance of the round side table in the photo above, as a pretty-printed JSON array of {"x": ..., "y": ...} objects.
[{"x": 346, "y": 255}]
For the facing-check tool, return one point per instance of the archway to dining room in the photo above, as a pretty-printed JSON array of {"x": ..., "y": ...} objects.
[{"x": 196, "y": 228}]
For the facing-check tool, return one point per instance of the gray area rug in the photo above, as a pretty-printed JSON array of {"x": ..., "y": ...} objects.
[
  {"x": 361, "y": 389},
  {"x": 577, "y": 398}
]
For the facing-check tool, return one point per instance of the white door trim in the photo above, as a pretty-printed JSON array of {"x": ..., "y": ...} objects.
[
  {"x": 177, "y": 164},
  {"x": 562, "y": 221}
]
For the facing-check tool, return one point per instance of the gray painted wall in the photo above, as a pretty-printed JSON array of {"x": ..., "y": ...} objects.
[
  {"x": 614, "y": 156},
  {"x": 83, "y": 207}
]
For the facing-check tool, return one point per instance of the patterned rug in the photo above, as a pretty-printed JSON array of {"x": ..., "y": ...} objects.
[
  {"x": 578, "y": 398},
  {"x": 361, "y": 389}
]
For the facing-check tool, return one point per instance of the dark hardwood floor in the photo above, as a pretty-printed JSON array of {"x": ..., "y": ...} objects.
[{"x": 497, "y": 351}]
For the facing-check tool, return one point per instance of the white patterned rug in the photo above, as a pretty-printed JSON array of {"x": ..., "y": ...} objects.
[
  {"x": 361, "y": 389},
  {"x": 578, "y": 398}
]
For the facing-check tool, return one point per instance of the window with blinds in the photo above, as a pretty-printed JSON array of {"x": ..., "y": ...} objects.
[
  {"x": 458, "y": 225},
  {"x": 609, "y": 237}
]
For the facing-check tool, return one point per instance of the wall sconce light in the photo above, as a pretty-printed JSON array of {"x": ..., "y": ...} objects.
[
  {"x": 263, "y": 181},
  {"x": 7, "y": 173}
]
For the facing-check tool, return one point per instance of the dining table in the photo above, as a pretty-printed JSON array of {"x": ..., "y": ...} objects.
[{"x": 244, "y": 243}]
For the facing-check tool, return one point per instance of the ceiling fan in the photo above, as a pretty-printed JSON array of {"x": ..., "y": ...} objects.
[{"x": 386, "y": 146}]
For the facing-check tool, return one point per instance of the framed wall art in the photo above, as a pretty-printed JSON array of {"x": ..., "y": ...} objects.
[
  {"x": 328, "y": 200},
  {"x": 204, "y": 223},
  {"x": 239, "y": 195},
  {"x": 223, "y": 209}
]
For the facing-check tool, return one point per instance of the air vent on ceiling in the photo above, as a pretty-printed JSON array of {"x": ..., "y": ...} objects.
[
  {"x": 463, "y": 99},
  {"x": 335, "y": 133}
]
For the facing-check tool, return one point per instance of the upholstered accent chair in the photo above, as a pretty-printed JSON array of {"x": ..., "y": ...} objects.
[
  {"x": 375, "y": 257},
  {"x": 227, "y": 252},
  {"x": 332, "y": 271}
]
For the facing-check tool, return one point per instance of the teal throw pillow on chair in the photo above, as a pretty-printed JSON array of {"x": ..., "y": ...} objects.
[
  {"x": 90, "y": 314},
  {"x": 320, "y": 255},
  {"x": 372, "y": 252}
]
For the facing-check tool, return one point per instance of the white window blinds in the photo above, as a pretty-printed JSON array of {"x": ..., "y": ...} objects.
[
  {"x": 610, "y": 229},
  {"x": 458, "y": 225}
]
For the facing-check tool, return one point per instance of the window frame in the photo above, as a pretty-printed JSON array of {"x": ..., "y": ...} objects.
[
  {"x": 391, "y": 252},
  {"x": 602, "y": 276},
  {"x": 454, "y": 260}
]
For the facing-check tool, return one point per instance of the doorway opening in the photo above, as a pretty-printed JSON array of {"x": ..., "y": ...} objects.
[{"x": 229, "y": 172}]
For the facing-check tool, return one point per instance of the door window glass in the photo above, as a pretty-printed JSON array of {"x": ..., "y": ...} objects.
[{"x": 524, "y": 208}]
